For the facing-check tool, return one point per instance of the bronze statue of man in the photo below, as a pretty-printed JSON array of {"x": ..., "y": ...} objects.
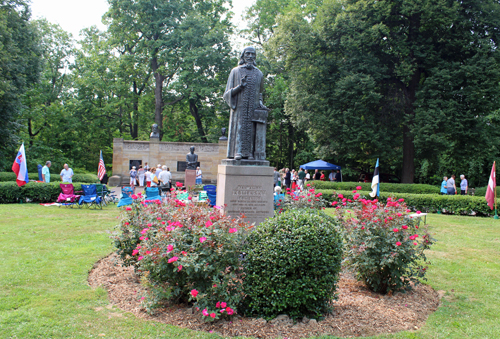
[
  {"x": 247, "y": 125},
  {"x": 191, "y": 159}
]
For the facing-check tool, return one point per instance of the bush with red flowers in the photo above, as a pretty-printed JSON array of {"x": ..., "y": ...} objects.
[
  {"x": 185, "y": 252},
  {"x": 307, "y": 198},
  {"x": 384, "y": 244}
]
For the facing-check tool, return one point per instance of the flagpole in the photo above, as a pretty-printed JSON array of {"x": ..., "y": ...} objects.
[{"x": 496, "y": 215}]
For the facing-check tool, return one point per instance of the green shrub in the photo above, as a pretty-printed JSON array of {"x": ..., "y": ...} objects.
[
  {"x": 185, "y": 252},
  {"x": 36, "y": 192},
  {"x": 384, "y": 245},
  {"x": 430, "y": 203},
  {"x": 481, "y": 191},
  {"x": 54, "y": 177},
  {"x": 384, "y": 187},
  {"x": 292, "y": 265}
]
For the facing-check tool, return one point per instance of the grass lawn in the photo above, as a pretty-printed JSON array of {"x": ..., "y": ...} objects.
[{"x": 48, "y": 251}]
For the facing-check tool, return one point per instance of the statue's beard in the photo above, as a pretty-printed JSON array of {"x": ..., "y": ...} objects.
[{"x": 250, "y": 65}]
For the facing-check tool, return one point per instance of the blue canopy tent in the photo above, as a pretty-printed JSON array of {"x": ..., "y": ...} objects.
[{"x": 322, "y": 165}]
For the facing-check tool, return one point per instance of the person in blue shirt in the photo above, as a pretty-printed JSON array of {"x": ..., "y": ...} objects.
[
  {"x": 443, "y": 186},
  {"x": 464, "y": 185},
  {"x": 46, "y": 172}
]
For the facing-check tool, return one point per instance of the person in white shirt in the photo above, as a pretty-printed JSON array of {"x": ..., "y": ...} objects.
[
  {"x": 165, "y": 177},
  {"x": 148, "y": 178},
  {"x": 158, "y": 170},
  {"x": 154, "y": 178},
  {"x": 142, "y": 173},
  {"x": 199, "y": 175},
  {"x": 66, "y": 174},
  {"x": 332, "y": 176}
]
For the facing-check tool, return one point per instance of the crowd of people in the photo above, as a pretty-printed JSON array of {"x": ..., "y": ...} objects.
[
  {"x": 159, "y": 176},
  {"x": 297, "y": 179},
  {"x": 449, "y": 187}
]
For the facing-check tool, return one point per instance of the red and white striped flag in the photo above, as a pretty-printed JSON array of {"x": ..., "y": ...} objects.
[
  {"x": 490, "y": 190},
  {"x": 101, "y": 170}
]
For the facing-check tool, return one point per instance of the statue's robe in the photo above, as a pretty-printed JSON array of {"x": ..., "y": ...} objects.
[{"x": 242, "y": 104}]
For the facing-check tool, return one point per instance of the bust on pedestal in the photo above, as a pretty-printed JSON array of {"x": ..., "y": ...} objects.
[
  {"x": 245, "y": 180},
  {"x": 190, "y": 174}
]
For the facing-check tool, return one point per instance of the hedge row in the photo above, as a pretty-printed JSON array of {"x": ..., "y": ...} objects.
[
  {"x": 384, "y": 187},
  {"x": 31, "y": 192},
  {"x": 54, "y": 177},
  {"x": 481, "y": 191},
  {"x": 454, "y": 204}
]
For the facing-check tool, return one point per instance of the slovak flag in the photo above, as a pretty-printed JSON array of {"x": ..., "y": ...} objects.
[
  {"x": 490, "y": 190},
  {"x": 20, "y": 168},
  {"x": 375, "y": 182}
]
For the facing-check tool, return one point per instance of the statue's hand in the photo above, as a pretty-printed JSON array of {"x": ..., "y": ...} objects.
[
  {"x": 244, "y": 81},
  {"x": 261, "y": 105}
]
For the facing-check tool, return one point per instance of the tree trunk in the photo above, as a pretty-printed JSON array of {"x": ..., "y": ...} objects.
[
  {"x": 408, "y": 175},
  {"x": 290, "y": 144},
  {"x": 194, "y": 112},
  {"x": 158, "y": 95}
]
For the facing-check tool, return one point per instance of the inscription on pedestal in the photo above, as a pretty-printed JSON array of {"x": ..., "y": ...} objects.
[{"x": 250, "y": 200}]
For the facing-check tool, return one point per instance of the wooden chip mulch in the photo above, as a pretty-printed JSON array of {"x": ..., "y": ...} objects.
[{"x": 357, "y": 312}]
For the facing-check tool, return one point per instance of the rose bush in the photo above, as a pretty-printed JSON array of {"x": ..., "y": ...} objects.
[
  {"x": 185, "y": 252},
  {"x": 301, "y": 199},
  {"x": 384, "y": 245}
]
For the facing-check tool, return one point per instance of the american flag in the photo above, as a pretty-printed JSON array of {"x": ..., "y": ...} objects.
[{"x": 102, "y": 169}]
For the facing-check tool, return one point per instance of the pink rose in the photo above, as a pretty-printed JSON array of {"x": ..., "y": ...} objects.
[
  {"x": 171, "y": 260},
  {"x": 141, "y": 238},
  {"x": 218, "y": 304},
  {"x": 334, "y": 203},
  {"x": 134, "y": 252},
  {"x": 404, "y": 227},
  {"x": 179, "y": 267},
  {"x": 212, "y": 315},
  {"x": 398, "y": 243},
  {"x": 148, "y": 252},
  {"x": 205, "y": 313},
  {"x": 223, "y": 305},
  {"x": 194, "y": 293},
  {"x": 233, "y": 230},
  {"x": 222, "y": 311},
  {"x": 415, "y": 244},
  {"x": 341, "y": 196},
  {"x": 359, "y": 187},
  {"x": 129, "y": 208},
  {"x": 208, "y": 223},
  {"x": 170, "y": 248},
  {"x": 202, "y": 239},
  {"x": 229, "y": 311},
  {"x": 142, "y": 298},
  {"x": 178, "y": 184},
  {"x": 127, "y": 223},
  {"x": 396, "y": 230},
  {"x": 140, "y": 258},
  {"x": 134, "y": 196},
  {"x": 418, "y": 212}
]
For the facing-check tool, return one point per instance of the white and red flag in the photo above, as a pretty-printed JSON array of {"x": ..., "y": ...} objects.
[
  {"x": 20, "y": 167},
  {"x": 490, "y": 190}
]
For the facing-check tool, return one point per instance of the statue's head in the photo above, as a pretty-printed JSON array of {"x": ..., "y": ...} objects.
[
  {"x": 154, "y": 128},
  {"x": 191, "y": 149},
  {"x": 248, "y": 56}
]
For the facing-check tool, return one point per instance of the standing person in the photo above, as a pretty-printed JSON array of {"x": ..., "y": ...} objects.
[
  {"x": 148, "y": 177},
  {"x": 443, "y": 186},
  {"x": 332, "y": 176},
  {"x": 142, "y": 173},
  {"x": 164, "y": 178},
  {"x": 146, "y": 167},
  {"x": 294, "y": 180},
  {"x": 451, "y": 188},
  {"x": 158, "y": 170},
  {"x": 302, "y": 176},
  {"x": 46, "y": 172},
  {"x": 317, "y": 175},
  {"x": 308, "y": 176},
  {"x": 338, "y": 178},
  {"x": 199, "y": 175},
  {"x": 66, "y": 174},
  {"x": 464, "y": 185},
  {"x": 288, "y": 178},
  {"x": 322, "y": 176},
  {"x": 133, "y": 176},
  {"x": 276, "y": 177},
  {"x": 154, "y": 178}
]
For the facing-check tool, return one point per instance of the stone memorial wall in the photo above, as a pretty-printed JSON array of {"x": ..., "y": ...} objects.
[{"x": 170, "y": 154}]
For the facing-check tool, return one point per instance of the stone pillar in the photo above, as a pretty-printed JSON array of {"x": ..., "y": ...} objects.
[
  {"x": 154, "y": 152},
  {"x": 118, "y": 167},
  {"x": 247, "y": 189}
]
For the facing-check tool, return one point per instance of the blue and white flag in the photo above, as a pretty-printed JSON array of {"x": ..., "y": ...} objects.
[{"x": 375, "y": 183}]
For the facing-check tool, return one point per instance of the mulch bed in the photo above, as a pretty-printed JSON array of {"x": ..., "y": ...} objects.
[{"x": 357, "y": 312}]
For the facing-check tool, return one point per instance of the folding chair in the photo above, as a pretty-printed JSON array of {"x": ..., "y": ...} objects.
[
  {"x": 68, "y": 197},
  {"x": 126, "y": 198},
  {"x": 152, "y": 193},
  {"x": 211, "y": 193},
  {"x": 90, "y": 197}
]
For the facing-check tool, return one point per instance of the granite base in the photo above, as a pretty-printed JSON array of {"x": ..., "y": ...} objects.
[{"x": 246, "y": 190}]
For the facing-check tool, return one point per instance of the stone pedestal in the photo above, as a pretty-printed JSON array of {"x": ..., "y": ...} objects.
[
  {"x": 246, "y": 189},
  {"x": 190, "y": 178}
]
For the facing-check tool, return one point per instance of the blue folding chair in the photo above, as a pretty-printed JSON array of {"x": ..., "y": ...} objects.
[
  {"x": 90, "y": 198},
  {"x": 153, "y": 193},
  {"x": 211, "y": 194},
  {"x": 126, "y": 198}
]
